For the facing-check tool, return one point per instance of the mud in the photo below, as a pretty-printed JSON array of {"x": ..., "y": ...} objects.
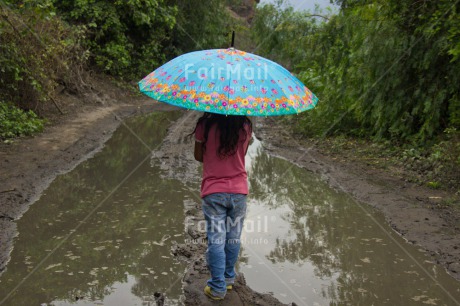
[{"x": 30, "y": 164}]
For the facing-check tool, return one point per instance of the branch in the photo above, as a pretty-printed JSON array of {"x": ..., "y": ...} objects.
[{"x": 317, "y": 15}]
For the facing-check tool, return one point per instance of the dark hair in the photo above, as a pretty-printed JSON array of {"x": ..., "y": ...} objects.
[{"x": 229, "y": 128}]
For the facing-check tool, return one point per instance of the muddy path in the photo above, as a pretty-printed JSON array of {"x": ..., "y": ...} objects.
[{"x": 31, "y": 164}]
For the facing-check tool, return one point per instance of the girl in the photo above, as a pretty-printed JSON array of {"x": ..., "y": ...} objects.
[{"x": 221, "y": 143}]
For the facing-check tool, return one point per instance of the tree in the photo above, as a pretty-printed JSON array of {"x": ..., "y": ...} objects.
[{"x": 125, "y": 37}]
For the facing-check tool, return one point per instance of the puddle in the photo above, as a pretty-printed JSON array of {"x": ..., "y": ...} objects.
[
  {"x": 311, "y": 245},
  {"x": 120, "y": 255},
  {"x": 303, "y": 241}
]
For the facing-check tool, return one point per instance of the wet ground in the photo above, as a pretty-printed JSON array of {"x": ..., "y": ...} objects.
[
  {"x": 102, "y": 233},
  {"x": 312, "y": 245},
  {"x": 105, "y": 233}
]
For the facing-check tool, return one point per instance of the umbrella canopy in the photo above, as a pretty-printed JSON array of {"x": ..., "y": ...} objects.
[{"x": 230, "y": 82}]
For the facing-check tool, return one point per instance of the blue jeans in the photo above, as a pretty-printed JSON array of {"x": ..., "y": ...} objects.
[{"x": 224, "y": 214}]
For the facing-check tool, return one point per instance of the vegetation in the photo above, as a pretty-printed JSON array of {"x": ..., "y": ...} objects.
[
  {"x": 202, "y": 25},
  {"x": 130, "y": 38},
  {"x": 382, "y": 69},
  {"x": 38, "y": 51},
  {"x": 122, "y": 36},
  {"x": 50, "y": 44},
  {"x": 16, "y": 122}
]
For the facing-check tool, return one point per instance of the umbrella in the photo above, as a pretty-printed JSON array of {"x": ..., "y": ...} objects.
[{"x": 230, "y": 82}]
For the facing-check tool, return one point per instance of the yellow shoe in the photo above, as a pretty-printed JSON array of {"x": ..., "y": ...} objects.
[
  {"x": 229, "y": 287},
  {"x": 207, "y": 292}
]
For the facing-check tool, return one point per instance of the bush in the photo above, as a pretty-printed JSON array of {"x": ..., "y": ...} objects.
[
  {"x": 15, "y": 122},
  {"x": 124, "y": 37},
  {"x": 38, "y": 52},
  {"x": 386, "y": 69}
]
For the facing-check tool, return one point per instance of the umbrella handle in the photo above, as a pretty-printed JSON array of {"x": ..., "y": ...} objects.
[{"x": 233, "y": 39}]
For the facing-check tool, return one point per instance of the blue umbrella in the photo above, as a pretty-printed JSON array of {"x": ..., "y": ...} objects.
[{"x": 230, "y": 82}]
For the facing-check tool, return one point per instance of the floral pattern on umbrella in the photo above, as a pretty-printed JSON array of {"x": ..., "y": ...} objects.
[{"x": 228, "y": 81}]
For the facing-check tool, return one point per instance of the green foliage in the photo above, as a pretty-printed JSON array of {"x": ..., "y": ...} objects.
[
  {"x": 381, "y": 68},
  {"x": 37, "y": 52},
  {"x": 124, "y": 37},
  {"x": 15, "y": 122},
  {"x": 434, "y": 185},
  {"x": 131, "y": 38},
  {"x": 46, "y": 44},
  {"x": 202, "y": 25}
]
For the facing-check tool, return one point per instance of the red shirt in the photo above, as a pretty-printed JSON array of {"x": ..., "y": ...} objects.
[{"x": 226, "y": 174}]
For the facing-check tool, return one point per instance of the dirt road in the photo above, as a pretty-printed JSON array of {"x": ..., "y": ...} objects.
[{"x": 29, "y": 165}]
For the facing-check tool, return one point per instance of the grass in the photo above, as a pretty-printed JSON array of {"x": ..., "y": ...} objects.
[{"x": 436, "y": 166}]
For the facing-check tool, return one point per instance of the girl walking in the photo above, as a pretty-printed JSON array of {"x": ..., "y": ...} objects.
[{"x": 221, "y": 143}]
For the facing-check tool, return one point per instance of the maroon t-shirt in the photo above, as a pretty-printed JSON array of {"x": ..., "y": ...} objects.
[{"x": 227, "y": 174}]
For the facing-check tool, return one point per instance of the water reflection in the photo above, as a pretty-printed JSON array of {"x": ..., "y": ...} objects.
[
  {"x": 121, "y": 254},
  {"x": 321, "y": 248},
  {"x": 303, "y": 241}
]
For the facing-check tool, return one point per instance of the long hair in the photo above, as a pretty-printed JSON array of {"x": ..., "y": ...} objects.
[{"x": 229, "y": 128}]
